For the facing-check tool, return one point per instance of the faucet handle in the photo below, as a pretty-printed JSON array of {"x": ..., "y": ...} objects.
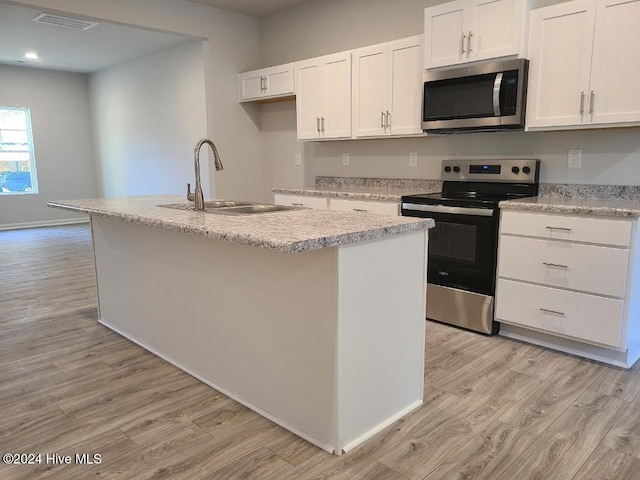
[{"x": 190, "y": 196}]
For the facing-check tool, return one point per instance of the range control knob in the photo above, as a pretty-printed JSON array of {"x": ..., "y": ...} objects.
[
  {"x": 447, "y": 169},
  {"x": 515, "y": 170},
  {"x": 456, "y": 169},
  {"x": 526, "y": 170}
]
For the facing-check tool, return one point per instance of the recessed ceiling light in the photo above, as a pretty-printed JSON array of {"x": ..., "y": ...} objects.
[{"x": 31, "y": 55}]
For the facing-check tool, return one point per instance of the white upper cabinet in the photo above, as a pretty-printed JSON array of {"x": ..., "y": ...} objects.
[
  {"x": 615, "y": 70},
  {"x": 472, "y": 30},
  {"x": 266, "y": 83},
  {"x": 387, "y": 88},
  {"x": 584, "y": 68},
  {"x": 323, "y": 97}
]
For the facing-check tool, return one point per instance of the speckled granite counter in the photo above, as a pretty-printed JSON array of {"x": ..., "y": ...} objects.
[
  {"x": 381, "y": 189},
  {"x": 600, "y": 200},
  {"x": 575, "y": 206},
  {"x": 293, "y": 231}
]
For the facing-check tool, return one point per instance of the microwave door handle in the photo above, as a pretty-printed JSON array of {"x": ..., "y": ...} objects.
[{"x": 496, "y": 94}]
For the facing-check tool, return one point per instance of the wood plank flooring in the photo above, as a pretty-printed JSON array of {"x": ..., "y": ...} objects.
[{"x": 494, "y": 408}]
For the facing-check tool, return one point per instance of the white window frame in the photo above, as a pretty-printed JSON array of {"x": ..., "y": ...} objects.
[{"x": 32, "y": 158}]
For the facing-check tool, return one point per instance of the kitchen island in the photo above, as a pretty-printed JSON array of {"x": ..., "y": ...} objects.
[{"x": 314, "y": 319}]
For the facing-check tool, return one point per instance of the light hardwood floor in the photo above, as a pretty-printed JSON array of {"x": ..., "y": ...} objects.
[{"x": 494, "y": 408}]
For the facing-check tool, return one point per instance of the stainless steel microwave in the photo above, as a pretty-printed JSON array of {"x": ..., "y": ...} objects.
[{"x": 483, "y": 97}]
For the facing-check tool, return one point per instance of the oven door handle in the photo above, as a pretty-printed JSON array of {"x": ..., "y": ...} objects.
[{"x": 482, "y": 212}]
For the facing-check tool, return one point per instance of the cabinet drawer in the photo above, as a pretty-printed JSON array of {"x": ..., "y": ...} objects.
[
  {"x": 589, "y": 268},
  {"x": 561, "y": 227},
  {"x": 319, "y": 203},
  {"x": 578, "y": 315},
  {"x": 365, "y": 206}
]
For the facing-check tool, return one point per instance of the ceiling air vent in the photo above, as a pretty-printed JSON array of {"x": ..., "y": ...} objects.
[{"x": 61, "y": 21}]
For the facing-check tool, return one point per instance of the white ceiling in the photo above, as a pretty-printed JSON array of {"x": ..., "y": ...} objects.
[
  {"x": 61, "y": 48},
  {"x": 254, "y": 8}
]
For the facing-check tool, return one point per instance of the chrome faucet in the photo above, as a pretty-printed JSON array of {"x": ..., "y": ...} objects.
[{"x": 198, "y": 197}]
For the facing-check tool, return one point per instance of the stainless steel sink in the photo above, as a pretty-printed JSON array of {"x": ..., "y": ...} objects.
[
  {"x": 209, "y": 205},
  {"x": 231, "y": 207},
  {"x": 252, "y": 209}
]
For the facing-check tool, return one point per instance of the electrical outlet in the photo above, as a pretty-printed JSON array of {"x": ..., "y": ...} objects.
[
  {"x": 574, "y": 158},
  {"x": 345, "y": 159},
  {"x": 413, "y": 159},
  {"x": 298, "y": 159}
]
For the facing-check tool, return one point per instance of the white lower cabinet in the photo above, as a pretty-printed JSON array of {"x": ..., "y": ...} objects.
[
  {"x": 566, "y": 282},
  {"x": 319, "y": 203},
  {"x": 339, "y": 204},
  {"x": 365, "y": 206}
]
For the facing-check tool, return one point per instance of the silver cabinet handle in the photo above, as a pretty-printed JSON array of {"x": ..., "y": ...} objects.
[
  {"x": 581, "y": 103},
  {"x": 360, "y": 210},
  {"x": 555, "y": 312},
  {"x": 462, "y": 50},
  {"x": 555, "y": 265},
  {"x": 388, "y": 119},
  {"x": 381, "y": 119},
  {"x": 297, "y": 204},
  {"x": 469, "y": 44},
  {"x": 318, "y": 124},
  {"x": 322, "y": 128},
  {"x": 592, "y": 99},
  {"x": 564, "y": 229}
]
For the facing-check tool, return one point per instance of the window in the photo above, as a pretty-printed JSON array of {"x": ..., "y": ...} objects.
[{"x": 17, "y": 162}]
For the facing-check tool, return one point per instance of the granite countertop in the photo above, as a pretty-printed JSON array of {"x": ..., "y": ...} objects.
[
  {"x": 576, "y": 205},
  {"x": 382, "y": 189},
  {"x": 289, "y": 231},
  {"x": 359, "y": 193}
]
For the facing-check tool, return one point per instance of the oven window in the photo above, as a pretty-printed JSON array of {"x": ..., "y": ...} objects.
[{"x": 453, "y": 241}]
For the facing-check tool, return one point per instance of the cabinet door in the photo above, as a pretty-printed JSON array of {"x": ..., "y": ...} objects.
[
  {"x": 405, "y": 86},
  {"x": 494, "y": 28},
  {"x": 560, "y": 47},
  {"x": 250, "y": 85},
  {"x": 445, "y": 42},
  {"x": 370, "y": 91},
  {"x": 336, "y": 96},
  {"x": 279, "y": 80},
  {"x": 308, "y": 99},
  {"x": 615, "y": 73}
]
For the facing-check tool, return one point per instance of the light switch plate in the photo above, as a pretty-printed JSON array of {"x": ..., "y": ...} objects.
[
  {"x": 345, "y": 159},
  {"x": 574, "y": 158},
  {"x": 298, "y": 159}
]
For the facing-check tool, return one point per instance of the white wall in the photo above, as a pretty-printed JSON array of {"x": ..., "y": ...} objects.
[
  {"x": 61, "y": 123},
  {"x": 231, "y": 46},
  {"x": 148, "y": 115},
  {"x": 318, "y": 27}
]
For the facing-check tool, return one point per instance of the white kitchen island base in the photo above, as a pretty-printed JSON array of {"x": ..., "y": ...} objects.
[{"x": 327, "y": 343}]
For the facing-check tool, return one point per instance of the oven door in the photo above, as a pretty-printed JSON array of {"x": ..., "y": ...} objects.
[{"x": 462, "y": 246}]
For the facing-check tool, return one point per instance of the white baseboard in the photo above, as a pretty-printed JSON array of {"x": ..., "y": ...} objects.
[{"x": 46, "y": 223}]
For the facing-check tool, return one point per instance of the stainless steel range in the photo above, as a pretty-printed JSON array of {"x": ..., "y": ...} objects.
[{"x": 463, "y": 245}]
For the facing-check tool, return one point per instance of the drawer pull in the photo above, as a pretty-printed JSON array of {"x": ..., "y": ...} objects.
[
  {"x": 297, "y": 204},
  {"x": 556, "y": 265},
  {"x": 554, "y": 312},
  {"x": 360, "y": 210},
  {"x": 564, "y": 229}
]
